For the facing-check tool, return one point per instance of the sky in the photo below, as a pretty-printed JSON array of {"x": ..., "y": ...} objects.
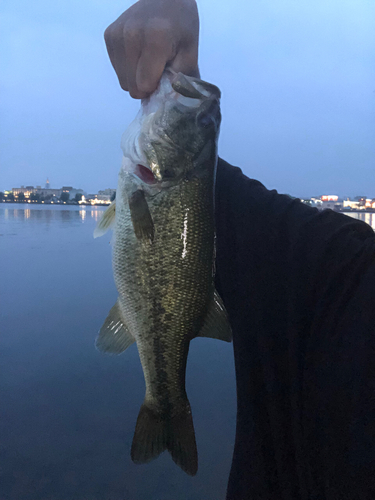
[{"x": 297, "y": 80}]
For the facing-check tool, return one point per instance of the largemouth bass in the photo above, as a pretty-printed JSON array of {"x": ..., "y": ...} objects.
[{"x": 164, "y": 257}]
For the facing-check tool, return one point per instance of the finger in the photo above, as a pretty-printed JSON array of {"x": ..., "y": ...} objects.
[
  {"x": 186, "y": 62},
  {"x": 156, "y": 52},
  {"x": 132, "y": 49},
  {"x": 115, "y": 47}
]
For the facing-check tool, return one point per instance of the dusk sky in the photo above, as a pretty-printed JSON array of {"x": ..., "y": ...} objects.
[{"x": 297, "y": 79}]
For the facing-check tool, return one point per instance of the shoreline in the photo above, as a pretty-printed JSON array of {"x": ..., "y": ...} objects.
[
  {"x": 357, "y": 211},
  {"x": 85, "y": 204},
  {"x": 69, "y": 204}
]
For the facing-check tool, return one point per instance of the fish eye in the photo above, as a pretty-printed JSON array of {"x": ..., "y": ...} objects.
[{"x": 204, "y": 120}]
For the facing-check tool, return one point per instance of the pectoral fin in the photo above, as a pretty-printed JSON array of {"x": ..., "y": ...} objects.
[
  {"x": 216, "y": 325},
  {"x": 107, "y": 221},
  {"x": 141, "y": 217},
  {"x": 114, "y": 337}
]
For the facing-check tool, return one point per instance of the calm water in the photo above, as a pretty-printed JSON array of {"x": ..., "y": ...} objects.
[
  {"x": 68, "y": 412},
  {"x": 368, "y": 218}
]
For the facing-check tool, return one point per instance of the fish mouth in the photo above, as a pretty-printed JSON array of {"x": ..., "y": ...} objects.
[{"x": 194, "y": 88}]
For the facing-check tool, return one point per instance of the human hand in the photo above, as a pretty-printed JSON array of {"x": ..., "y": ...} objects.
[{"x": 150, "y": 35}]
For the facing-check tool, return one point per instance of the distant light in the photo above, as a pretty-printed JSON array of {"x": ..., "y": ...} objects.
[{"x": 329, "y": 197}]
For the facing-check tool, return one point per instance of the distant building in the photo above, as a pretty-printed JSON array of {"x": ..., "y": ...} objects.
[
  {"x": 47, "y": 184},
  {"x": 354, "y": 205},
  {"x": 46, "y": 192},
  {"x": 72, "y": 191},
  {"x": 27, "y": 191},
  {"x": 361, "y": 200},
  {"x": 98, "y": 199},
  {"x": 325, "y": 201},
  {"x": 330, "y": 201},
  {"x": 107, "y": 192},
  {"x": 360, "y": 203}
]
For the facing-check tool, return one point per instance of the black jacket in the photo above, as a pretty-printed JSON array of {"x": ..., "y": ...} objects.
[{"x": 299, "y": 287}]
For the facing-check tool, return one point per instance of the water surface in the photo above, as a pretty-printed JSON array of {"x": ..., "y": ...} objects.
[
  {"x": 369, "y": 218},
  {"x": 68, "y": 412}
]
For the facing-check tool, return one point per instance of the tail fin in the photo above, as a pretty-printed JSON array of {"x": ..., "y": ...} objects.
[{"x": 154, "y": 434}]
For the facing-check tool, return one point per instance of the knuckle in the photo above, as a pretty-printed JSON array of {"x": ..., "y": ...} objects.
[
  {"x": 108, "y": 34},
  {"x": 112, "y": 37},
  {"x": 135, "y": 94},
  {"x": 146, "y": 86},
  {"x": 132, "y": 31},
  {"x": 123, "y": 84}
]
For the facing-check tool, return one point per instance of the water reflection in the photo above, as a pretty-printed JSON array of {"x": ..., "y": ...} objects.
[
  {"x": 67, "y": 215},
  {"x": 50, "y": 214},
  {"x": 369, "y": 218},
  {"x": 67, "y": 411},
  {"x": 96, "y": 214}
]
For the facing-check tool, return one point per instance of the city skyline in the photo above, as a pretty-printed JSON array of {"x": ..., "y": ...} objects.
[
  {"x": 296, "y": 79},
  {"x": 315, "y": 195},
  {"x": 323, "y": 197},
  {"x": 48, "y": 186}
]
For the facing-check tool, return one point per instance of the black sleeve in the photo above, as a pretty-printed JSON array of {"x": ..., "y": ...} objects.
[{"x": 299, "y": 287}]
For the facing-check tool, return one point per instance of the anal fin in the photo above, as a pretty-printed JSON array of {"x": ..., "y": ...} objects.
[
  {"x": 114, "y": 337},
  {"x": 216, "y": 324}
]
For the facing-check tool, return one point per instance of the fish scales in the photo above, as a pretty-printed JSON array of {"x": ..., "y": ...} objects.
[
  {"x": 164, "y": 288},
  {"x": 163, "y": 257}
]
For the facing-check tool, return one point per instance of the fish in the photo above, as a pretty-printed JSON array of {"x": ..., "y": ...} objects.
[{"x": 164, "y": 257}]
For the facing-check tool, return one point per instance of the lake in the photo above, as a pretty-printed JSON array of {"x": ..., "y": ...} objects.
[
  {"x": 68, "y": 412},
  {"x": 369, "y": 218}
]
